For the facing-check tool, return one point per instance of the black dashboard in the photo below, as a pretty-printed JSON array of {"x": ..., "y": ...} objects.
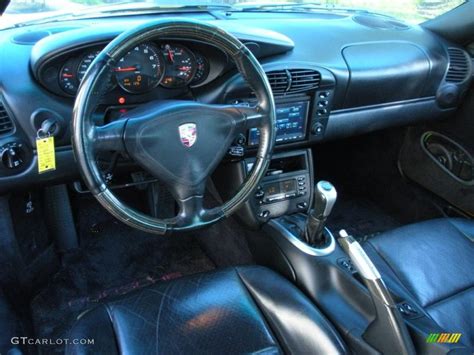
[{"x": 332, "y": 76}]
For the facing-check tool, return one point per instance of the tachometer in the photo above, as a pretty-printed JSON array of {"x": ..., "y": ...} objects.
[
  {"x": 180, "y": 66},
  {"x": 140, "y": 70}
]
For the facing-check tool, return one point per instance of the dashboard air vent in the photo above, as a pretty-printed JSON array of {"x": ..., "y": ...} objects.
[
  {"x": 279, "y": 81},
  {"x": 6, "y": 124},
  {"x": 304, "y": 80},
  {"x": 458, "y": 70},
  {"x": 290, "y": 81}
]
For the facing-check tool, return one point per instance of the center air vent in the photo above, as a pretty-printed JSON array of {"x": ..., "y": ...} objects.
[
  {"x": 458, "y": 70},
  {"x": 6, "y": 124},
  {"x": 290, "y": 81}
]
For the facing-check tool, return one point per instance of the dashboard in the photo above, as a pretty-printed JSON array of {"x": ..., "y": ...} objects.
[{"x": 332, "y": 76}]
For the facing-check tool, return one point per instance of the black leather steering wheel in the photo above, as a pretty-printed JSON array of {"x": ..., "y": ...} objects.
[{"x": 178, "y": 142}]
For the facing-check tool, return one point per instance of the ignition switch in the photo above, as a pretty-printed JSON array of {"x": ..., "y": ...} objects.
[{"x": 50, "y": 127}]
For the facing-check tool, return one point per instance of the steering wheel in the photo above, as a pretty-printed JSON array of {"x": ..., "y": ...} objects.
[{"x": 178, "y": 142}]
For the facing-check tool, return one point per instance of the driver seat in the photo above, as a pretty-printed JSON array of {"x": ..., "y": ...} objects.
[{"x": 239, "y": 310}]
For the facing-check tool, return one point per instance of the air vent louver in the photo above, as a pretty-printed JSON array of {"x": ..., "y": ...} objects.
[
  {"x": 292, "y": 81},
  {"x": 458, "y": 70},
  {"x": 6, "y": 124},
  {"x": 304, "y": 80},
  {"x": 279, "y": 81}
]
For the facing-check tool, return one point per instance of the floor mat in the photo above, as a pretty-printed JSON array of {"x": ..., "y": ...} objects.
[
  {"x": 117, "y": 260},
  {"x": 359, "y": 217}
]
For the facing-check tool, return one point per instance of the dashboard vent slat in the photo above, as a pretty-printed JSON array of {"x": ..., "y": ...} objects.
[
  {"x": 458, "y": 70},
  {"x": 6, "y": 124},
  {"x": 304, "y": 80},
  {"x": 284, "y": 82},
  {"x": 279, "y": 81}
]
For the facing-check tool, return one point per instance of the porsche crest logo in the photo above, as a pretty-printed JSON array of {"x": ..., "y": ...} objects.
[{"x": 188, "y": 134}]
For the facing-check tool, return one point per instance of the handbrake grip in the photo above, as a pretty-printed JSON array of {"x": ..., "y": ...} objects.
[{"x": 387, "y": 332}]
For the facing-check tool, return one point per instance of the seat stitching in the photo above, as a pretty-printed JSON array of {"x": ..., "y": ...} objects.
[
  {"x": 436, "y": 303},
  {"x": 159, "y": 316}
]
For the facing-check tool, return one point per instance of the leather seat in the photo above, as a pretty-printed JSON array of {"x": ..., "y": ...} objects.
[
  {"x": 238, "y": 310},
  {"x": 431, "y": 266}
]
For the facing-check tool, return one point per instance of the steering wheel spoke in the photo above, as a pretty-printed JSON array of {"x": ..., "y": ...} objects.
[
  {"x": 249, "y": 117},
  {"x": 110, "y": 136},
  {"x": 191, "y": 206}
]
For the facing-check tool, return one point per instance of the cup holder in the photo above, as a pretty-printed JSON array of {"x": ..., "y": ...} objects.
[{"x": 449, "y": 155}]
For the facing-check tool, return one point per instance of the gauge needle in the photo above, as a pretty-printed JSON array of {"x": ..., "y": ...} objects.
[
  {"x": 125, "y": 69},
  {"x": 170, "y": 56},
  {"x": 67, "y": 75}
]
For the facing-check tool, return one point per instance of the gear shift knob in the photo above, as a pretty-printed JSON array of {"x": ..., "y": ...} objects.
[{"x": 325, "y": 196}]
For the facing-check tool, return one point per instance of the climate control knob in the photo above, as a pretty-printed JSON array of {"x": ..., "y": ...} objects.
[{"x": 11, "y": 155}]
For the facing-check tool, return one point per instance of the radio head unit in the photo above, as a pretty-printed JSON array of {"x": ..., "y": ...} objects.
[{"x": 291, "y": 117}]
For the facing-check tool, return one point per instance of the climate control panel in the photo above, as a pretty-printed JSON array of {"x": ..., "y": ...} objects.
[{"x": 287, "y": 186}]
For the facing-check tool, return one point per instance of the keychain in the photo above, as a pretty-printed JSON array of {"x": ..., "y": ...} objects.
[{"x": 46, "y": 152}]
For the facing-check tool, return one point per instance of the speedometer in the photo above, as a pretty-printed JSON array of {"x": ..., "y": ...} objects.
[
  {"x": 140, "y": 70},
  {"x": 84, "y": 65},
  {"x": 180, "y": 66}
]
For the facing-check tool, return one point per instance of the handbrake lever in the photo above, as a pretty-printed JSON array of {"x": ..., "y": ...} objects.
[{"x": 388, "y": 332}]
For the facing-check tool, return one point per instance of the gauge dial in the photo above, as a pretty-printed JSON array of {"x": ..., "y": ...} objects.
[
  {"x": 140, "y": 70},
  {"x": 202, "y": 69},
  {"x": 180, "y": 66},
  {"x": 67, "y": 78},
  {"x": 85, "y": 63}
]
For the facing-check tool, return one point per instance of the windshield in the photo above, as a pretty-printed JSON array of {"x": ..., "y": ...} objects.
[{"x": 413, "y": 11}]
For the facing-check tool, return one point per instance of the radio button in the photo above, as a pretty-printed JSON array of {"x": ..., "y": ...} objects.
[
  {"x": 276, "y": 198},
  {"x": 259, "y": 194},
  {"x": 302, "y": 205}
]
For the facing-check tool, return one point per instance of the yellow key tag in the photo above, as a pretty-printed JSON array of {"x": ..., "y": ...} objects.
[{"x": 46, "y": 154}]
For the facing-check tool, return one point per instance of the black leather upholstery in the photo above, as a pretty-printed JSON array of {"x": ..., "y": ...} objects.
[
  {"x": 239, "y": 310},
  {"x": 431, "y": 264}
]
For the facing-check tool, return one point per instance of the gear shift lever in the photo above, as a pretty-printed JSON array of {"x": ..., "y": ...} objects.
[{"x": 325, "y": 196}]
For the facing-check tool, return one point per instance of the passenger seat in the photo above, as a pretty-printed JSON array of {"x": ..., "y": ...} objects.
[{"x": 430, "y": 266}]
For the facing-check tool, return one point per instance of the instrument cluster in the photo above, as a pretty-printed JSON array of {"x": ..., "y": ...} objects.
[{"x": 142, "y": 69}]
